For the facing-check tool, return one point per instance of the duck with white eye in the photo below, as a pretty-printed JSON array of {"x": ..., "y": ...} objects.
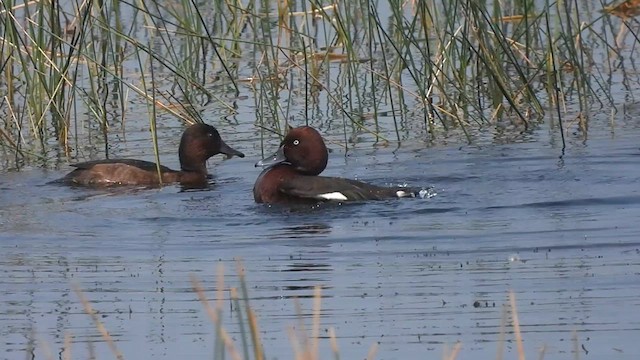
[{"x": 291, "y": 174}]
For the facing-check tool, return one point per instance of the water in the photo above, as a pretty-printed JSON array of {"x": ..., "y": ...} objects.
[{"x": 414, "y": 276}]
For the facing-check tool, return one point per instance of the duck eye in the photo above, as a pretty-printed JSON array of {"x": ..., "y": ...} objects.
[
  {"x": 210, "y": 134},
  {"x": 296, "y": 142}
]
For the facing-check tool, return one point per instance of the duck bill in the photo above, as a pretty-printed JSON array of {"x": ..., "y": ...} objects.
[
  {"x": 277, "y": 158},
  {"x": 229, "y": 151}
]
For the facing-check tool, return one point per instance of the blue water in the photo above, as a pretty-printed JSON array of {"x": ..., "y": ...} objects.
[{"x": 414, "y": 276}]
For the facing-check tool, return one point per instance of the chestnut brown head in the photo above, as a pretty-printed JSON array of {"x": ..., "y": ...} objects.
[
  {"x": 304, "y": 149},
  {"x": 200, "y": 142}
]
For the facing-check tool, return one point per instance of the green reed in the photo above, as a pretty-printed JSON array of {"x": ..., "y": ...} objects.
[{"x": 380, "y": 68}]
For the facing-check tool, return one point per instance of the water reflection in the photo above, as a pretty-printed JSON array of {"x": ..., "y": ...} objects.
[
  {"x": 303, "y": 231},
  {"x": 409, "y": 275}
]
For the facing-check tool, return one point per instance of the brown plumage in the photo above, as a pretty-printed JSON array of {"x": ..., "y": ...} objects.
[{"x": 199, "y": 142}]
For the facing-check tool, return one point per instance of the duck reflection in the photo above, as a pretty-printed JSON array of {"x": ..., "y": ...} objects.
[
  {"x": 303, "y": 269},
  {"x": 303, "y": 231},
  {"x": 308, "y": 276}
]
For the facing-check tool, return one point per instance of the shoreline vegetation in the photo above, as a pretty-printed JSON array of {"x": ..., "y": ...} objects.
[
  {"x": 71, "y": 72},
  {"x": 246, "y": 342}
]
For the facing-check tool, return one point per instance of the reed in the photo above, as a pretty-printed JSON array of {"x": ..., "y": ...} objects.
[
  {"x": 384, "y": 69},
  {"x": 304, "y": 343}
]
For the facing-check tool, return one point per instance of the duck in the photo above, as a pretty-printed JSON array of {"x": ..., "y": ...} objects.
[
  {"x": 291, "y": 175},
  {"x": 199, "y": 142}
]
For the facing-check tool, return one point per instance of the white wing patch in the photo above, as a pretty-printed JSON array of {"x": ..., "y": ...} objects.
[
  {"x": 336, "y": 195},
  {"x": 402, "y": 193}
]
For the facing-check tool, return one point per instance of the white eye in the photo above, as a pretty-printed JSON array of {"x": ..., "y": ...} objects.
[{"x": 296, "y": 142}]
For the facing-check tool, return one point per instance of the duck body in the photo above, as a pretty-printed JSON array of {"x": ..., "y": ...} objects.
[
  {"x": 199, "y": 142},
  {"x": 126, "y": 172},
  {"x": 292, "y": 175}
]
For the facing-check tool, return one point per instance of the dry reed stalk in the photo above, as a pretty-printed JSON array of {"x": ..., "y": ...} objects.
[
  {"x": 516, "y": 325},
  {"x": 314, "y": 12},
  {"x": 301, "y": 344},
  {"x": 334, "y": 343},
  {"x": 454, "y": 352},
  {"x": 543, "y": 350},
  {"x": 213, "y": 316},
  {"x": 20, "y": 6},
  {"x": 576, "y": 345},
  {"x": 103, "y": 331},
  {"x": 372, "y": 351},
  {"x": 46, "y": 350},
  {"x": 235, "y": 300},
  {"x": 624, "y": 10},
  {"x": 305, "y": 347},
  {"x": 220, "y": 287},
  {"x": 298, "y": 353},
  {"x": 92, "y": 350},
  {"x": 66, "y": 349},
  {"x": 255, "y": 334},
  {"x": 315, "y": 330},
  {"x": 253, "y": 323}
]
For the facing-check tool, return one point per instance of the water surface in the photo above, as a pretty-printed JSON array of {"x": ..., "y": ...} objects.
[{"x": 414, "y": 275}]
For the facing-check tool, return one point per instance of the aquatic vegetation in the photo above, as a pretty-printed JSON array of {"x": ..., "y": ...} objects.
[
  {"x": 304, "y": 341},
  {"x": 625, "y": 10},
  {"x": 73, "y": 74}
]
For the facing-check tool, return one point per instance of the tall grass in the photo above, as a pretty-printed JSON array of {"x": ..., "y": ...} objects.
[{"x": 382, "y": 68}]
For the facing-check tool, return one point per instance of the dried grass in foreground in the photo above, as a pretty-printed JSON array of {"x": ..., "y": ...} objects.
[{"x": 304, "y": 343}]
